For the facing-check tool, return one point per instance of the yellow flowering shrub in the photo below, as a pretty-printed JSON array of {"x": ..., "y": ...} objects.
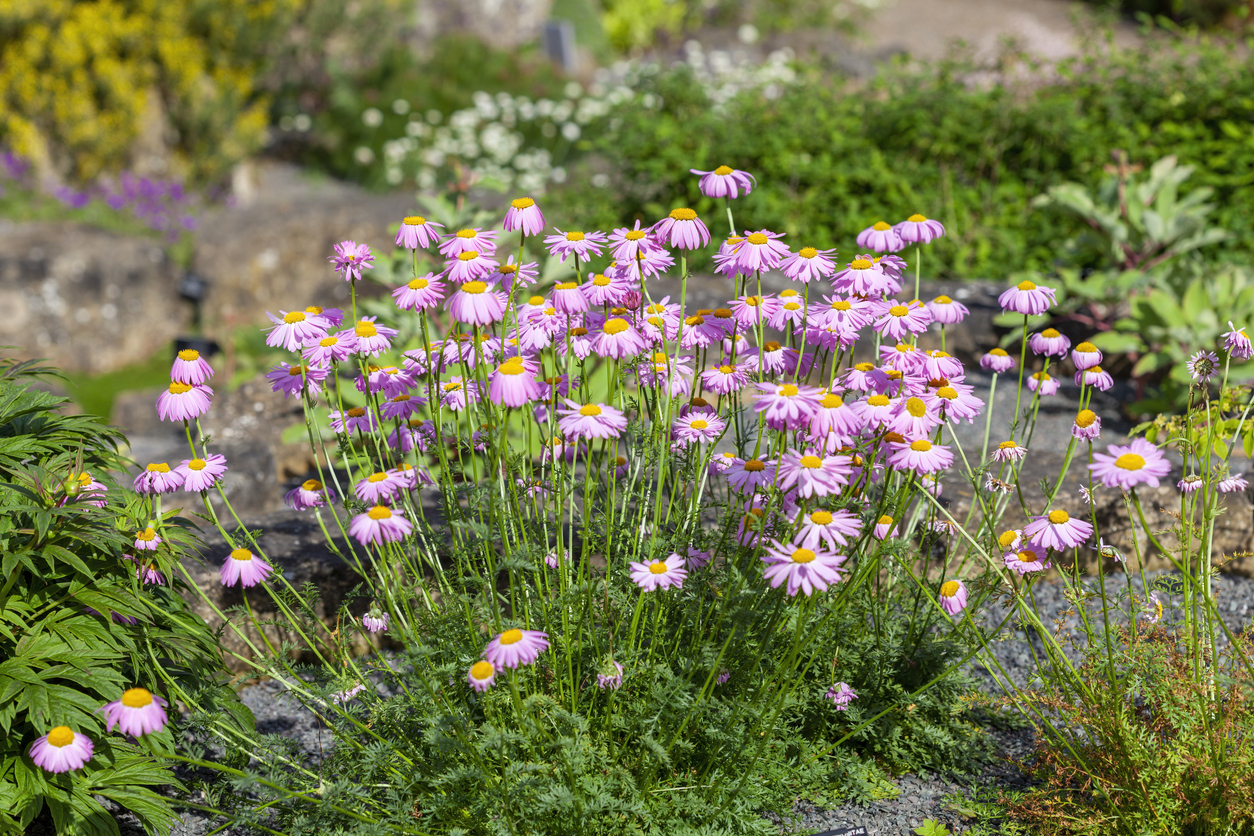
[{"x": 81, "y": 79}]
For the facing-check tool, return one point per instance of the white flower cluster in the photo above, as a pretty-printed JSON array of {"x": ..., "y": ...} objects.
[{"x": 490, "y": 138}]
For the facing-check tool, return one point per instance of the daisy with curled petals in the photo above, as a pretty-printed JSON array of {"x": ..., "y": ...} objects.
[
  {"x": 158, "y": 477},
  {"x": 953, "y": 597},
  {"x": 476, "y": 239},
  {"x": 697, "y": 559},
  {"x": 403, "y": 406},
  {"x": 997, "y": 361},
  {"x": 1203, "y": 366},
  {"x": 880, "y": 237},
  {"x": 659, "y": 574},
  {"x": 865, "y": 377},
  {"x": 813, "y": 475},
  {"x": 513, "y": 386},
  {"x": 593, "y": 420},
  {"x": 510, "y": 275},
  {"x": 899, "y": 321},
  {"x": 293, "y": 380},
  {"x": 884, "y": 528},
  {"x": 863, "y": 277},
  {"x": 725, "y": 379},
  {"x": 380, "y": 525},
  {"x": 1057, "y": 530},
  {"x": 834, "y": 416},
  {"x": 808, "y": 264},
  {"x": 791, "y": 313},
  {"x": 468, "y": 266},
  {"x": 350, "y": 259},
  {"x": 480, "y": 676},
  {"x": 475, "y": 303},
  {"x": 787, "y": 406},
  {"x": 524, "y": 216},
  {"x": 610, "y": 676},
  {"x": 697, "y": 428},
  {"x": 372, "y": 339},
  {"x": 914, "y": 418},
  {"x": 874, "y": 411},
  {"x": 1189, "y": 484},
  {"x": 1125, "y": 467},
  {"x": 1025, "y": 559},
  {"x": 375, "y": 620},
  {"x": 1097, "y": 377},
  {"x": 183, "y": 402},
  {"x": 724, "y": 181},
  {"x": 202, "y": 474},
  {"x": 606, "y": 288},
  {"x": 1087, "y": 425},
  {"x": 335, "y": 348},
  {"x": 1237, "y": 343},
  {"x": 379, "y": 487},
  {"x": 352, "y": 420},
  {"x": 921, "y": 456},
  {"x": 626, "y": 243},
  {"x": 616, "y": 339},
  {"x": 1009, "y": 451},
  {"x": 805, "y": 570},
  {"x": 1043, "y": 384},
  {"x": 649, "y": 262},
  {"x": 244, "y": 568},
  {"x": 831, "y": 528},
  {"x": 751, "y": 311},
  {"x": 1234, "y": 483},
  {"x": 917, "y": 229},
  {"x": 955, "y": 402},
  {"x": 189, "y": 367},
  {"x": 417, "y": 233},
  {"x": 308, "y": 494},
  {"x": 516, "y": 647},
  {"x": 1086, "y": 355},
  {"x": 61, "y": 750},
  {"x": 1049, "y": 343},
  {"x": 760, "y": 251},
  {"x": 946, "y": 311},
  {"x": 747, "y": 476},
  {"x": 138, "y": 712},
  {"x": 682, "y": 229},
  {"x": 1027, "y": 298},
  {"x": 582, "y": 245}
]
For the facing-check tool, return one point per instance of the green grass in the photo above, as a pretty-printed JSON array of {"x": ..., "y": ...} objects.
[{"x": 96, "y": 393}]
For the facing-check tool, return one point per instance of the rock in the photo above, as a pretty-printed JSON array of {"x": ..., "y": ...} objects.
[{"x": 85, "y": 299}]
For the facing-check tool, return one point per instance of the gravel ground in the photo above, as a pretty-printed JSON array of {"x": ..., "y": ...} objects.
[{"x": 919, "y": 797}]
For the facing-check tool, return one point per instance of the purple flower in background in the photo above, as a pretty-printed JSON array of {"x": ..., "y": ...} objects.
[
  {"x": 350, "y": 259},
  {"x": 724, "y": 181},
  {"x": 841, "y": 694}
]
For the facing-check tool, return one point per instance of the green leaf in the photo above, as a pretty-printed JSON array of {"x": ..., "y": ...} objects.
[
  {"x": 1115, "y": 342},
  {"x": 1247, "y": 443}
]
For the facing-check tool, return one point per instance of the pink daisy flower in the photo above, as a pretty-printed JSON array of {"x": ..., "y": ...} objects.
[
  {"x": 308, "y": 494},
  {"x": 1009, "y": 451},
  {"x": 626, "y": 243},
  {"x": 1189, "y": 483},
  {"x": 953, "y": 597},
  {"x": 510, "y": 275},
  {"x": 350, "y": 259},
  {"x": 946, "y": 311},
  {"x": 865, "y": 377},
  {"x": 417, "y": 232},
  {"x": 1124, "y": 467},
  {"x": 84, "y": 486},
  {"x": 469, "y": 239},
  {"x": 913, "y": 417},
  {"x": 955, "y": 402},
  {"x": 863, "y": 277},
  {"x": 697, "y": 559},
  {"x": 1086, "y": 356},
  {"x": 1237, "y": 343},
  {"x": 147, "y": 540},
  {"x": 659, "y": 574},
  {"x": 612, "y": 681},
  {"x": 294, "y": 380},
  {"x": 1233, "y": 484},
  {"x": 805, "y": 570},
  {"x": 480, "y": 676},
  {"x": 380, "y": 487},
  {"x": 183, "y": 402},
  {"x": 371, "y": 338},
  {"x": 1027, "y": 298},
  {"x": 202, "y": 474},
  {"x": 884, "y": 528},
  {"x": 582, "y": 245},
  {"x": 468, "y": 266},
  {"x": 61, "y": 750},
  {"x": 137, "y": 713},
  {"x": 606, "y": 288},
  {"x": 353, "y": 420},
  {"x": 1049, "y": 343},
  {"x": 724, "y": 181},
  {"x": 898, "y": 320},
  {"x": 295, "y": 329},
  {"x": 787, "y": 406},
  {"x": 189, "y": 367},
  {"x": 594, "y": 420},
  {"x": 841, "y": 695},
  {"x": 244, "y": 568},
  {"x": 158, "y": 478},
  {"x": 917, "y": 229},
  {"x": 1087, "y": 426},
  {"x": 760, "y": 251},
  {"x": 618, "y": 340},
  {"x": 698, "y": 428},
  {"x": 516, "y": 647},
  {"x": 513, "y": 386},
  {"x": 831, "y": 528},
  {"x": 1203, "y": 366},
  {"x": 380, "y": 525},
  {"x": 808, "y": 264},
  {"x": 332, "y": 349},
  {"x": 420, "y": 294},
  {"x": 813, "y": 475},
  {"x": 474, "y": 303},
  {"x": 523, "y": 214},
  {"x": 747, "y": 476},
  {"x": 997, "y": 361},
  {"x": 375, "y": 620},
  {"x": 1025, "y": 559},
  {"x": 880, "y": 237},
  {"x": 682, "y": 229},
  {"x": 874, "y": 412},
  {"x": 1057, "y": 530},
  {"x": 921, "y": 456},
  {"x": 1097, "y": 377},
  {"x": 401, "y": 406},
  {"x": 725, "y": 379},
  {"x": 1044, "y": 384}
]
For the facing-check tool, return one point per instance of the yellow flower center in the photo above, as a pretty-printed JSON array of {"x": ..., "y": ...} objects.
[
  {"x": 894, "y": 437},
  {"x": 1059, "y": 517},
  {"x": 1027, "y": 556},
  {"x": 949, "y": 589},
  {"x": 294, "y": 316},
  {"x": 999, "y": 352},
  {"x": 468, "y": 255},
  {"x": 452, "y": 386},
  {"x": 379, "y": 512},
  {"x": 466, "y": 233},
  {"x": 1130, "y": 461},
  {"x": 635, "y": 234},
  {"x": 522, "y": 203},
  {"x": 802, "y": 556},
  {"x": 536, "y": 300},
  {"x": 590, "y": 410},
  {"x": 311, "y": 485},
  {"x": 147, "y": 535},
  {"x": 807, "y": 252},
  {"x": 788, "y": 390},
  {"x": 697, "y": 319},
  {"x": 755, "y": 466},
  {"x": 811, "y": 462},
  {"x": 567, "y": 286},
  {"x": 356, "y": 412},
  {"x": 1050, "y": 334},
  {"x": 753, "y": 301},
  {"x": 723, "y": 171},
  {"x": 898, "y": 310},
  {"x": 860, "y": 264},
  {"x": 241, "y": 554},
  {"x": 831, "y": 401},
  {"x": 683, "y": 215},
  {"x": 1094, "y": 370},
  {"x": 60, "y": 736},
  {"x": 658, "y": 567},
  {"x": 1042, "y": 377},
  {"x": 886, "y": 520},
  {"x": 949, "y": 393},
  {"x": 1007, "y": 445},
  {"x": 512, "y": 366},
  {"x": 418, "y": 284},
  {"x": 376, "y": 477},
  {"x": 921, "y": 446},
  {"x": 177, "y": 388},
  {"x": 1086, "y": 348},
  {"x": 865, "y": 367},
  {"x": 881, "y": 226},
  {"x": 579, "y": 331},
  {"x": 943, "y": 300},
  {"x": 699, "y": 424},
  {"x": 757, "y": 239},
  {"x": 1026, "y": 285},
  {"x": 727, "y": 369},
  {"x": 916, "y": 219},
  {"x": 482, "y": 670},
  {"x": 513, "y": 636},
  {"x": 574, "y": 236},
  {"x": 1085, "y": 418},
  {"x": 366, "y": 329},
  {"x": 1006, "y": 538},
  {"x": 189, "y": 355},
  {"x": 474, "y": 287},
  {"x": 821, "y": 517},
  {"x": 878, "y": 400},
  {"x": 159, "y": 468},
  {"x": 916, "y": 407},
  {"x": 600, "y": 280},
  {"x": 136, "y": 698}
]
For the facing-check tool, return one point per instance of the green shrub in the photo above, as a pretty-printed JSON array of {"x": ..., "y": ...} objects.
[{"x": 62, "y": 567}]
